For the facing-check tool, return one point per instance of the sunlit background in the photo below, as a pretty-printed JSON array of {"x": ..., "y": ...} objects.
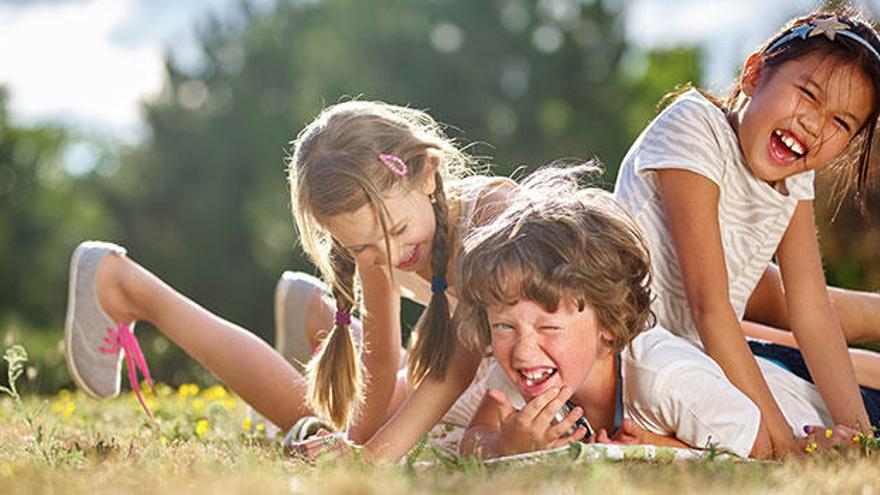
[{"x": 163, "y": 124}]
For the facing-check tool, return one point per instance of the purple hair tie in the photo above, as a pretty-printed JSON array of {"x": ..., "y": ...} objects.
[
  {"x": 438, "y": 284},
  {"x": 394, "y": 164},
  {"x": 342, "y": 319}
]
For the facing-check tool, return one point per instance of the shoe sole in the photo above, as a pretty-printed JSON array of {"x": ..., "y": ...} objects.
[
  {"x": 68, "y": 323},
  {"x": 280, "y": 297}
]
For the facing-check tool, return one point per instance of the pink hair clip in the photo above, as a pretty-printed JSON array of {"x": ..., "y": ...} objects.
[{"x": 394, "y": 164}]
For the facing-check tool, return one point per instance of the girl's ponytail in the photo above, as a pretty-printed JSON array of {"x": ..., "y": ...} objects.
[
  {"x": 335, "y": 375},
  {"x": 432, "y": 338}
]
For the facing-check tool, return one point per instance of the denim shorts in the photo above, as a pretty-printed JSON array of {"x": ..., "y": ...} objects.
[{"x": 792, "y": 360}]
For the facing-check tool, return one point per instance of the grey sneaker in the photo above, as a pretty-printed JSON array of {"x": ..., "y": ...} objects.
[
  {"x": 86, "y": 325},
  {"x": 292, "y": 296}
]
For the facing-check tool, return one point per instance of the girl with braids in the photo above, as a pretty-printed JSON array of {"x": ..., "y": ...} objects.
[
  {"x": 381, "y": 202},
  {"x": 723, "y": 187}
]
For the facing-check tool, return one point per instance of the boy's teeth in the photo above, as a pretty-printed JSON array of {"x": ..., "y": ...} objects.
[{"x": 534, "y": 377}]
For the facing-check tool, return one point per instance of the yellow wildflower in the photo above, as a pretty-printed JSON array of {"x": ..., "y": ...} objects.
[
  {"x": 202, "y": 426},
  {"x": 811, "y": 447},
  {"x": 828, "y": 433},
  {"x": 163, "y": 390},
  {"x": 187, "y": 390},
  {"x": 247, "y": 423},
  {"x": 214, "y": 392},
  {"x": 64, "y": 408},
  {"x": 261, "y": 429},
  {"x": 227, "y": 404},
  {"x": 69, "y": 409}
]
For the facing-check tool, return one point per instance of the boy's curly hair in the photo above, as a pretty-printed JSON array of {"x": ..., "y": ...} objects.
[{"x": 557, "y": 239}]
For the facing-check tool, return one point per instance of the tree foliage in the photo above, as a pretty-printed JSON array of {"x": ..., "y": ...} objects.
[{"x": 537, "y": 81}]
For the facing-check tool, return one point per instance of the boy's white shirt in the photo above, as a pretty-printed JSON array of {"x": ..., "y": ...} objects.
[{"x": 671, "y": 387}]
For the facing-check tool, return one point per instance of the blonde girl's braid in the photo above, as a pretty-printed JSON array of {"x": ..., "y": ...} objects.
[
  {"x": 432, "y": 339},
  {"x": 336, "y": 377}
]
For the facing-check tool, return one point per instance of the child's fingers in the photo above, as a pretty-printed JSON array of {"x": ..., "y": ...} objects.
[
  {"x": 562, "y": 428},
  {"x": 574, "y": 437},
  {"x": 601, "y": 436},
  {"x": 325, "y": 444},
  {"x": 627, "y": 433},
  {"x": 536, "y": 405},
  {"x": 827, "y": 438},
  {"x": 547, "y": 414}
]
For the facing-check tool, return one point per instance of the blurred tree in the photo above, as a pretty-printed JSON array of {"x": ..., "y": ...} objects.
[
  {"x": 45, "y": 208},
  {"x": 206, "y": 203},
  {"x": 203, "y": 202}
]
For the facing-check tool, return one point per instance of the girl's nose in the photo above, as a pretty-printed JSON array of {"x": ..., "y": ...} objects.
[{"x": 813, "y": 123}]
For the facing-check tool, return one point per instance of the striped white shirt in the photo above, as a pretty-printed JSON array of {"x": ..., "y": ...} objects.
[{"x": 693, "y": 134}]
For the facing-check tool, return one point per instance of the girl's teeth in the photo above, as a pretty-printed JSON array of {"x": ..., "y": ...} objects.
[{"x": 792, "y": 145}]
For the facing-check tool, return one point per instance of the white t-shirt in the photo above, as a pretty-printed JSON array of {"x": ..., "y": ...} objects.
[
  {"x": 693, "y": 134},
  {"x": 671, "y": 387}
]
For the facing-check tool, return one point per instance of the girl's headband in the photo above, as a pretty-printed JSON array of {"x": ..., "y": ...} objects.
[{"x": 830, "y": 27}]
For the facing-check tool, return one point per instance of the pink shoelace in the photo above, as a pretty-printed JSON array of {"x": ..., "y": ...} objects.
[{"x": 123, "y": 339}]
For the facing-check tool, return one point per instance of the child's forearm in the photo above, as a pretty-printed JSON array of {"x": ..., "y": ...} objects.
[
  {"x": 651, "y": 438},
  {"x": 726, "y": 344},
  {"x": 382, "y": 372},
  {"x": 423, "y": 408},
  {"x": 381, "y": 349},
  {"x": 814, "y": 322},
  {"x": 826, "y": 356}
]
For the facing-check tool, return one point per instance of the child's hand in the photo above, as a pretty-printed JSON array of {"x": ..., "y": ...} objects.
[
  {"x": 629, "y": 433},
  {"x": 533, "y": 427},
  {"x": 323, "y": 443},
  {"x": 840, "y": 438}
]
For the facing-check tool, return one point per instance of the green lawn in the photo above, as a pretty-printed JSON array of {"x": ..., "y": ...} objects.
[{"x": 70, "y": 443}]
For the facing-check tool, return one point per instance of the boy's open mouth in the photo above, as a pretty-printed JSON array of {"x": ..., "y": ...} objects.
[
  {"x": 785, "y": 147},
  {"x": 535, "y": 377}
]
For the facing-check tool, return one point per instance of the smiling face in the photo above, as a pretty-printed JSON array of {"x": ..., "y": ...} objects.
[
  {"x": 800, "y": 115},
  {"x": 538, "y": 349},
  {"x": 410, "y": 226}
]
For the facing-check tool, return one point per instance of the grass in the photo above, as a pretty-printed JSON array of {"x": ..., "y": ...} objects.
[{"x": 70, "y": 443}]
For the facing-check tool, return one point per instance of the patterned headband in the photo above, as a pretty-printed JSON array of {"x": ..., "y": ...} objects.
[{"x": 830, "y": 27}]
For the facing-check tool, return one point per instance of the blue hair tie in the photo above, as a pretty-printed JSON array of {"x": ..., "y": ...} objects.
[{"x": 438, "y": 284}]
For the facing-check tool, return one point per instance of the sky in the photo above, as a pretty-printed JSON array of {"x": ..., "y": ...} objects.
[{"x": 89, "y": 63}]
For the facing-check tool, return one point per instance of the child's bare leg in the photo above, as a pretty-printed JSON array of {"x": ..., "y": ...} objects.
[
  {"x": 238, "y": 358},
  {"x": 865, "y": 363},
  {"x": 859, "y": 312}
]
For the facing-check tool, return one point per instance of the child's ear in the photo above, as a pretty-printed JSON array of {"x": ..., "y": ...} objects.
[
  {"x": 606, "y": 337},
  {"x": 432, "y": 163},
  {"x": 751, "y": 73}
]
